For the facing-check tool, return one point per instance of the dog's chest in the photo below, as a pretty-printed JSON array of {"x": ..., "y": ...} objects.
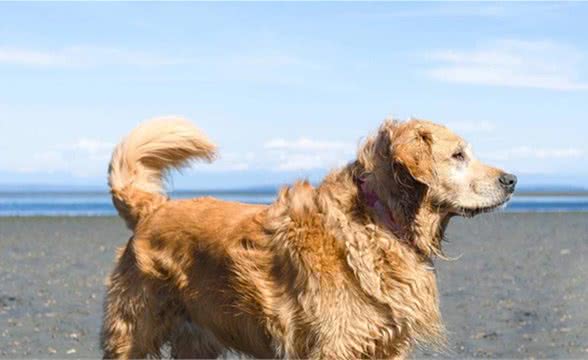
[
  {"x": 389, "y": 312},
  {"x": 344, "y": 318}
]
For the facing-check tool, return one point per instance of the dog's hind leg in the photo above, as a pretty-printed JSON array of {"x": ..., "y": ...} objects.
[
  {"x": 189, "y": 341},
  {"x": 137, "y": 313}
]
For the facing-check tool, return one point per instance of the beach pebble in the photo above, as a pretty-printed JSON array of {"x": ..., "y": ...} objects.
[
  {"x": 51, "y": 350},
  {"x": 71, "y": 351},
  {"x": 485, "y": 335},
  {"x": 564, "y": 252}
]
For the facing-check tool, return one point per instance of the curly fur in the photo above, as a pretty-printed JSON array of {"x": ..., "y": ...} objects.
[{"x": 316, "y": 274}]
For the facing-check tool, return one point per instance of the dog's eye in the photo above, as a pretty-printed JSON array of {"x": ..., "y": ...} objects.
[{"x": 458, "y": 155}]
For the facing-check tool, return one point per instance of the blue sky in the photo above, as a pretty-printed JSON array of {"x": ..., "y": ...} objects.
[{"x": 288, "y": 89}]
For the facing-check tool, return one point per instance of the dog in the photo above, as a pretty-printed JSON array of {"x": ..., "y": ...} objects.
[{"x": 342, "y": 270}]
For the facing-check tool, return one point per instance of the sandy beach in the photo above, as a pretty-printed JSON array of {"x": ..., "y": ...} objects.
[{"x": 518, "y": 290}]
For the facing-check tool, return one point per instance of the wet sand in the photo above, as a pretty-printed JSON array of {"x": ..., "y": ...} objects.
[{"x": 519, "y": 289}]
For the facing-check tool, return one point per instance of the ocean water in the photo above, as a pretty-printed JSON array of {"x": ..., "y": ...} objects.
[{"x": 53, "y": 203}]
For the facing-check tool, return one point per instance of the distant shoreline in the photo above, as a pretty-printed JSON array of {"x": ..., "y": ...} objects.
[
  {"x": 212, "y": 192},
  {"x": 98, "y": 203},
  {"x": 116, "y": 217},
  {"x": 551, "y": 193}
]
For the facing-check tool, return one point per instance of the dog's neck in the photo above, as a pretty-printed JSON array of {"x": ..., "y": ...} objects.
[
  {"x": 418, "y": 232},
  {"x": 396, "y": 205},
  {"x": 382, "y": 211}
]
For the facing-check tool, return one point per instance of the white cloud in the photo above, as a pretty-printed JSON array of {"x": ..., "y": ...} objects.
[
  {"x": 86, "y": 157},
  {"x": 295, "y": 162},
  {"x": 83, "y": 158},
  {"x": 228, "y": 161},
  {"x": 305, "y": 144},
  {"x": 92, "y": 146},
  {"x": 49, "y": 161},
  {"x": 259, "y": 67},
  {"x": 307, "y": 154},
  {"x": 94, "y": 56},
  {"x": 82, "y": 56},
  {"x": 512, "y": 63},
  {"x": 537, "y": 153},
  {"x": 280, "y": 154}
]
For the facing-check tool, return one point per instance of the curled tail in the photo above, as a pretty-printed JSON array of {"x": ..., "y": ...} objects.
[{"x": 140, "y": 162}]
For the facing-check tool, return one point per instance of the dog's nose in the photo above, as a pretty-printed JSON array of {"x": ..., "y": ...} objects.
[{"x": 508, "y": 181}]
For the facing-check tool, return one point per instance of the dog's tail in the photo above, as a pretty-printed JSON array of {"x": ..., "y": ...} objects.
[{"x": 141, "y": 161}]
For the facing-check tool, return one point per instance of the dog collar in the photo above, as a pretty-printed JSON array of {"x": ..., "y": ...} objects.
[{"x": 374, "y": 202}]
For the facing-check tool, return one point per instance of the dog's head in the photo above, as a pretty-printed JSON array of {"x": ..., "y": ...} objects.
[{"x": 442, "y": 163}]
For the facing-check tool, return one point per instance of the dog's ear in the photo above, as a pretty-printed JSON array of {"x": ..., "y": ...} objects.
[
  {"x": 411, "y": 148},
  {"x": 375, "y": 150}
]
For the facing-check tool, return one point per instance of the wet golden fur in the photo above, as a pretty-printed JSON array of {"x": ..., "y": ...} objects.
[{"x": 316, "y": 274}]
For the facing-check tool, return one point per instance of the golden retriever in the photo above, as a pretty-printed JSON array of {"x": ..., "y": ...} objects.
[{"x": 342, "y": 270}]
